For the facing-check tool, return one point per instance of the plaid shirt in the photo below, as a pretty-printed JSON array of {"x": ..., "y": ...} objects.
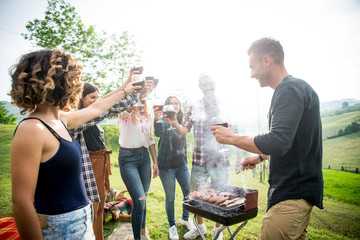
[
  {"x": 87, "y": 170},
  {"x": 206, "y": 149}
]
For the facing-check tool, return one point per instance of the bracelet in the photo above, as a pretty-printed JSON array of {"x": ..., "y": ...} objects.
[
  {"x": 261, "y": 159},
  {"x": 124, "y": 92}
]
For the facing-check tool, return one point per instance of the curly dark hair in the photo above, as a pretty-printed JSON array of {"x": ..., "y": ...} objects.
[{"x": 46, "y": 77}]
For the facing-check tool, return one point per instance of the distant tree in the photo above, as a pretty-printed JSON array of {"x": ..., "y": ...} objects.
[
  {"x": 344, "y": 105},
  {"x": 5, "y": 117},
  {"x": 341, "y": 132},
  {"x": 352, "y": 128},
  {"x": 104, "y": 56}
]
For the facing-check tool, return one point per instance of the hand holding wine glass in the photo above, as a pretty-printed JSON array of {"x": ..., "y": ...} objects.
[
  {"x": 218, "y": 121},
  {"x": 130, "y": 88},
  {"x": 137, "y": 80},
  {"x": 148, "y": 88},
  {"x": 158, "y": 113},
  {"x": 169, "y": 110}
]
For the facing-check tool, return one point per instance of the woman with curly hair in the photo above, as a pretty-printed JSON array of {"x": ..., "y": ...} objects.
[{"x": 48, "y": 192}]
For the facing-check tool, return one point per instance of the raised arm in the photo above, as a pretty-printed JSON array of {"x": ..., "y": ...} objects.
[
  {"x": 132, "y": 71},
  {"x": 75, "y": 119}
]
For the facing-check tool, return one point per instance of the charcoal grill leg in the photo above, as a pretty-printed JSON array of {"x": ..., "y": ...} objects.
[
  {"x": 228, "y": 228},
  {"x": 237, "y": 230},
  {"x": 198, "y": 228},
  {"x": 220, "y": 230}
]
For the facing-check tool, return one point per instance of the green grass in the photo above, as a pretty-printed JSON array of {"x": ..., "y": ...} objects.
[
  {"x": 342, "y": 151},
  {"x": 6, "y": 133},
  {"x": 331, "y": 125},
  {"x": 339, "y": 220},
  {"x": 342, "y": 186}
]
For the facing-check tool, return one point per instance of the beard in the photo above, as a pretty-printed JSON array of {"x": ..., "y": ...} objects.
[{"x": 209, "y": 96}]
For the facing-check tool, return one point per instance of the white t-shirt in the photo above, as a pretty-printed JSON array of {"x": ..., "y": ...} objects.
[{"x": 135, "y": 135}]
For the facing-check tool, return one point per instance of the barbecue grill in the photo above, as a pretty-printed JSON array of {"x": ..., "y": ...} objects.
[{"x": 227, "y": 216}]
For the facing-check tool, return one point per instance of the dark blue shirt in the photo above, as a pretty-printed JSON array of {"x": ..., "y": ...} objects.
[
  {"x": 294, "y": 143},
  {"x": 171, "y": 147},
  {"x": 60, "y": 186}
]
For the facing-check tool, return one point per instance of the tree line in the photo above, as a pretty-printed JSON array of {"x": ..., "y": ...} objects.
[{"x": 349, "y": 129}]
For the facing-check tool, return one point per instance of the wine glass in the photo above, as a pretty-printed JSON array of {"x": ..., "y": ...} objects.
[
  {"x": 156, "y": 81},
  {"x": 158, "y": 106},
  {"x": 218, "y": 121},
  {"x": 148, "y": 95},
  {"x": 137, "y": 80},
  {"x": 169, "y": 110}
]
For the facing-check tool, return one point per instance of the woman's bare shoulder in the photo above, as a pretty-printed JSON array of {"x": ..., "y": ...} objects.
[{"x": 31, "y": 128}]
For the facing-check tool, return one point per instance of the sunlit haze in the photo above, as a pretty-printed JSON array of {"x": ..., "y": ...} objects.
[{"x": 182, "y": 39}]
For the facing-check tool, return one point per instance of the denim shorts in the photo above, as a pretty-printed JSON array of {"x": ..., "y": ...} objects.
[{"x": 71, "y": 225}]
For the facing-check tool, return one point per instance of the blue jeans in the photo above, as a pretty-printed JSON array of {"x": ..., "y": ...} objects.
[
  {"x": 168, "y": 177},
  {"x": 76, "y": 224},
  {"x": 201, "y": 174},
  {"x": 135, "y": 170}
]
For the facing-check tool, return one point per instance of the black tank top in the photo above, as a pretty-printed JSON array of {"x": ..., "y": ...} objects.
[{"x": 60, "y": 186}]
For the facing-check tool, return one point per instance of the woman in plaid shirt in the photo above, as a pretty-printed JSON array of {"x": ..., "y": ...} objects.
[{"x": 95, "y": 155}]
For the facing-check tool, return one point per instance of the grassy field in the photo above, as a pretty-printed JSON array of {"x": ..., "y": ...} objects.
[
  {"x": 331, "y": 125},
  {"x": 339, "y": 220},
  {"x": 342, "y": 152},
  {"x": 6, "y": 133}
]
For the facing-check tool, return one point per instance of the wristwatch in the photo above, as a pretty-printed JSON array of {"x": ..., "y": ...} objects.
[{"x": 261, "y": 159}]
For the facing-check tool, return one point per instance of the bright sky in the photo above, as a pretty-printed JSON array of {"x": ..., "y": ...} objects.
[{"x": 181, "y": 39}]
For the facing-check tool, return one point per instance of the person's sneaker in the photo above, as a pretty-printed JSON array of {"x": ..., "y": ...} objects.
[
  {"x": 173, "y": 233},
  {"x": 145, "y": 236},
  {"x": 193, "y": 233},
  {"x": 214, "y": 231},
  {"x": 189, "y": 224}
]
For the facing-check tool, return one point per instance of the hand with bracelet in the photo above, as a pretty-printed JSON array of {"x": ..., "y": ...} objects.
[{"x": 250, "y": 162}]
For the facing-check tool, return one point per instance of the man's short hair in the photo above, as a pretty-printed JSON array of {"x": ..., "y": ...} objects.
[
  {"x": 267, "y": 46},
  {"x": 204, "y": 76}
]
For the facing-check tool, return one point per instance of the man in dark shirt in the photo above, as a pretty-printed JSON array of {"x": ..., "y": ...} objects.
[{"x": 293, "y": 145}]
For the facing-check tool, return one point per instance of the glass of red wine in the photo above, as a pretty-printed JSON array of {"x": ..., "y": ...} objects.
[
  {"x": 158, "y": 106},
  {"x": 156, "y": 82},
  {"x": 218, "y": 121},
  {"x": 169, "y": 110},
  {"x": 137, "y": 80},
  {"x": 148, "y": 94}
]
